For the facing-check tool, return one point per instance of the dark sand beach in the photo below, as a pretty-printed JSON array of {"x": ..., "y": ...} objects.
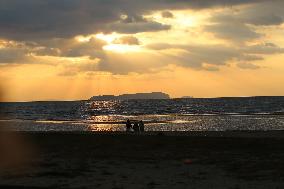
[{"x": 154, "y": 160}]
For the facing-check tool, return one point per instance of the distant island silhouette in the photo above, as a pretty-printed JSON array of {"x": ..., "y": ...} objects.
[
  {"x": 187, "y": 97},
  {"x": 152, "y": 95}
]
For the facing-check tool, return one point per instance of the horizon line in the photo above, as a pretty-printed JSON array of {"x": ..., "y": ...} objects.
[{"x": 183, "y": 97}]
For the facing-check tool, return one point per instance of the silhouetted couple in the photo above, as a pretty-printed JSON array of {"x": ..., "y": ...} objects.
[{"x": 137, "y": 126}]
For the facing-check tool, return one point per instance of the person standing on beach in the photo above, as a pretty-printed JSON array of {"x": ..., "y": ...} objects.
[
  {"x": 136, "y": 127},
  {"x": 128, "y": 126},
  {"x": 141, "y": 126}
]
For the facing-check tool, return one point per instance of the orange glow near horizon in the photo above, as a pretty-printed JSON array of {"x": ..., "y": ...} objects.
[
  {"x": 182, "y": 60},
  {"x": 177, "y": 83}
]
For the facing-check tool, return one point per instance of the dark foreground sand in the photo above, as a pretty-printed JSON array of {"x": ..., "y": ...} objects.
[{"x": 230, "y": 160}]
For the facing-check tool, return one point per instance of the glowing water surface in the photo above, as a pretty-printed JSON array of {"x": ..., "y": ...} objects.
[{"x": 261, "y": 113}]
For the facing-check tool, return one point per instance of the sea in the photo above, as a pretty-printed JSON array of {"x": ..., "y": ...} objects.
[{"x": 191, "y": 114}]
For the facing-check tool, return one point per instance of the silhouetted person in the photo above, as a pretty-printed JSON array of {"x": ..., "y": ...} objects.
[
  {"x": 128, "y": 125},
  {"x": 141, "y": 126},
  {"x": 136, "y": 127}
]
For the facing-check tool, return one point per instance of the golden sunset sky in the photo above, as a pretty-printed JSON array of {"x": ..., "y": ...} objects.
[{"x": 74, "y": 49}]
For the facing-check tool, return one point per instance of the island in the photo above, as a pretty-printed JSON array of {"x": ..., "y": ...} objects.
[
  {"x": 187, "y": 97},
  {"x": 152, "y": 95}
]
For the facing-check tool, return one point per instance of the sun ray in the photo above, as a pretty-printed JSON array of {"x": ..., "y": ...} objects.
[{"x": 121, "y": 48}]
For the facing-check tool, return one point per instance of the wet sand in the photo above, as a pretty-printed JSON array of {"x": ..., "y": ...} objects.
[{"x": 153, "y": 160}]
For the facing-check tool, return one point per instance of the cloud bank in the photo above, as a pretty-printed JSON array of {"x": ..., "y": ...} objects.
[
  {"x": 34, "y": 19},
  {"x": 47, "y": 28}
]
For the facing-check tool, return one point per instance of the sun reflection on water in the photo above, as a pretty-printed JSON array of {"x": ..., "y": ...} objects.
[
  {"x": 104, "y": 106},
  {"x": 105, "y": 127},
  {"x": 170, "y": 116}
]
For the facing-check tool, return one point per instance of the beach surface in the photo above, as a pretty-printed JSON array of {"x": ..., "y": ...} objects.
[{"x": 121, "y": 160}]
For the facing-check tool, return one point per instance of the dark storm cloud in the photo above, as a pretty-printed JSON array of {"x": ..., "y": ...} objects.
[
  {"x": 34, "y": 19},
  {"x": 268, "y": 13}
]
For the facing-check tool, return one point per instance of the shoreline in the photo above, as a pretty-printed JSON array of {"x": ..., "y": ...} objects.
[{"x": 200, "y": 134}]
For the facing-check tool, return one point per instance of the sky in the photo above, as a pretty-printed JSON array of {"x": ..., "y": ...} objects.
[{"x": 75, "y": 49}]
